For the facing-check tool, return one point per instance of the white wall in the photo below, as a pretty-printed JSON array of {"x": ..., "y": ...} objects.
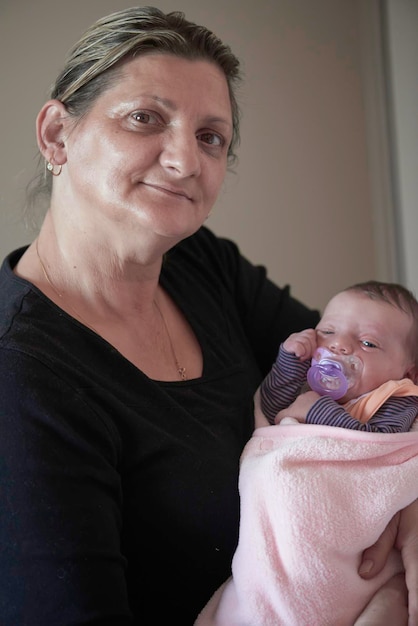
[
  {"x": 301, "y": 199},
  {"x": 402, "y": 51}
]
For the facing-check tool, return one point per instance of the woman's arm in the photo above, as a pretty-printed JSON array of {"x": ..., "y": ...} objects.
[{"x": 60, "y": 520}]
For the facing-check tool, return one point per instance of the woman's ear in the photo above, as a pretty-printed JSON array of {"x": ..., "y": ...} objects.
[{"x": 50, "y": 127}]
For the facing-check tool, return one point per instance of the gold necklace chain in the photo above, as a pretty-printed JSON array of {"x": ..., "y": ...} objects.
[{"x": 181, "y": 370}]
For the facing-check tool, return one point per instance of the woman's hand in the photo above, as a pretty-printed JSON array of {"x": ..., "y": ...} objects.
[
  {"x": 388, "y": 607},
  {"x": 401, "y": 532}
]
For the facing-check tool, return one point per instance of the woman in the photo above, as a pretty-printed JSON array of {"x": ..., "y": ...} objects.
[{"x": 132, "y": 339}]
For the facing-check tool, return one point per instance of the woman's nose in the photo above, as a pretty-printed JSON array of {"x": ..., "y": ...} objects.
[{"x": 181, "y": 154}]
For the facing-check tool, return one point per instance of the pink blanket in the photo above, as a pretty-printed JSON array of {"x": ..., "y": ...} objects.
[{"x": 312, "y": 499}]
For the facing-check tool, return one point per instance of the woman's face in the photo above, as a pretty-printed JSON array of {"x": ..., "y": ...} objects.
[{"x": 151, "y": 154}]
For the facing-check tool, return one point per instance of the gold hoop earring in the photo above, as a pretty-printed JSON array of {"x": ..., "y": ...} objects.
[{"x": 51, "y": 168}]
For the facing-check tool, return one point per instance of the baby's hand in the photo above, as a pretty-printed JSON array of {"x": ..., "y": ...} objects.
[
  {"x": 299, "y": 408},
  {"x": 302, "y": 344}
]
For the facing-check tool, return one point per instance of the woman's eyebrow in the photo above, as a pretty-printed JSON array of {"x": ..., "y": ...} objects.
[
  {"x": 165, "y": 101},
  {"x": 215, "y": 119}
]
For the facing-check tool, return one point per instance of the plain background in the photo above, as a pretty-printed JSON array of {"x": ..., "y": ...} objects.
[{"x": 323, "y": 193}]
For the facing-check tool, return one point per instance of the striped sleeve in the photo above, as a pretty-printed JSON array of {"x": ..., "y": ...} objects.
[
  {"x": 283, "y": 384},
  {"x": 396, "y": 415}
]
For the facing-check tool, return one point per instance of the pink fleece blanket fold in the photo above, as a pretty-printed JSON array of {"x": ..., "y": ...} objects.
[{"x": 312, "y": 499}]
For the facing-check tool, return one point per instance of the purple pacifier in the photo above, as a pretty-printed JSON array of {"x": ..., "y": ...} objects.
[{"x": 332, "y": 375}]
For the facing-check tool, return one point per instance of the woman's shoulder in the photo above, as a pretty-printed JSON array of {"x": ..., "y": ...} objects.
[
  {"x": 7, "y": 275},
  {"x": 12, "y": 290}
]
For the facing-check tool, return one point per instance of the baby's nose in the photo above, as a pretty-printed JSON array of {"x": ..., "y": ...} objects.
[{"x": 341, "y": 346}]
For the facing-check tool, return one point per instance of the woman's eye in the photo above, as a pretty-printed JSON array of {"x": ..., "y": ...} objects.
[
  {"x": 212, "y": 139},
  {"x": 144, "y": 117}
]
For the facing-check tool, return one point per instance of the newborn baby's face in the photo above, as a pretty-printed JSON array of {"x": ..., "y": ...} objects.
[{"x": 375, "y": 332}]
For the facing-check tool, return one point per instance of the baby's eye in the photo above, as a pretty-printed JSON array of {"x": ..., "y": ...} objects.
[
  {"x": 368, "y": 344},
  {"x": 213, "y": 139},
  {"x": 324, "y": 331}
]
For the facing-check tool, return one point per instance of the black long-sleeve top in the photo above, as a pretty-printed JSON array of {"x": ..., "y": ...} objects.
[{"x": 119, "y": 499}]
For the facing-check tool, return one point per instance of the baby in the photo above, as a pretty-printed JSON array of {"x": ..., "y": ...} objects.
[
  {"x": 372, "y": 327},
  {"x": 314, "y": 497}
]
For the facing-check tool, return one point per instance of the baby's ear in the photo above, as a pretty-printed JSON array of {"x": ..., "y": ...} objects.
[{"x": 412, "y": 373}]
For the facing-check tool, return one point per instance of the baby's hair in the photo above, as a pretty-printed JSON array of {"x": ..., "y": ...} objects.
[{"x": 399, "y": 297}]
